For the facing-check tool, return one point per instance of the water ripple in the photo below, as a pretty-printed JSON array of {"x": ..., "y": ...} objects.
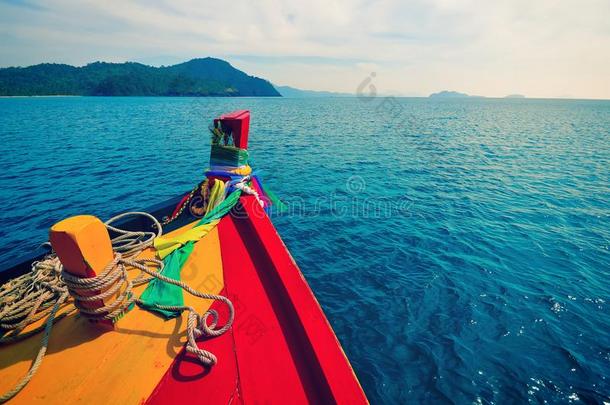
[{"x": 489, "y": 284}]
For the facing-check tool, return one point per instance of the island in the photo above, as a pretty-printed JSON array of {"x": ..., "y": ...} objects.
[
  {"x": 446, "y": 93},
  {"x": 451, "y": 94},
  {"x": 287, "y": 91},
  {"x": 515, "y": 96},
  {"x": 197, "y": 77}
]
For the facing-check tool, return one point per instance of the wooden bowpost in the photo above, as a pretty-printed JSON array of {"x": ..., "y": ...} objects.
[{"x": 83, "y": 246}]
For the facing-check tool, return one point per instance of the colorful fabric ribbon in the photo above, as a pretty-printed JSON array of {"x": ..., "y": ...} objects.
[
  {"x": 176, "y": 251},
  {"x": 165, "y": 246}
]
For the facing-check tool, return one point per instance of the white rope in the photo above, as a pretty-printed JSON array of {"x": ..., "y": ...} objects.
[
  {"x": 47, "y": 289},
  {"x": 241, "y": 185}
]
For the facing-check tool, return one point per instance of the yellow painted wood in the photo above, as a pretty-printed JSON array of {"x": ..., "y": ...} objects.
[
  {"x": 82, "y": 242},
  {"x": 87, "y": 365}
]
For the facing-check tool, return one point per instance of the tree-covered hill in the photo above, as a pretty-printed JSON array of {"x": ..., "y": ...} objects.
[{"x": 198, "y": 77}]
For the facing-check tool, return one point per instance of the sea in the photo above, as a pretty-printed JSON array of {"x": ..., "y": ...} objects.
[{"x": 459, "y": 247}]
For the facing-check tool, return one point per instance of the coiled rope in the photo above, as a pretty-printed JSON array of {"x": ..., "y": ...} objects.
[
  {"x": 47, "y": 288},
  {"x": 241, "y": 185}
]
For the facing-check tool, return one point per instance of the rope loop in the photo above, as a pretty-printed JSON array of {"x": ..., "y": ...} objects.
[
  {"x": 241, "y": 185},
  {"x": 48, "y": 288}
]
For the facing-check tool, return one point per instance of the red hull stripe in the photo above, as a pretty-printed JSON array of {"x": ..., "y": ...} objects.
[
  {"x": 312, "y": 335},
  {"x": 270, "y": 365},
  {"x": 281, "y": 348},
  {"x": 187, "y": 380}
]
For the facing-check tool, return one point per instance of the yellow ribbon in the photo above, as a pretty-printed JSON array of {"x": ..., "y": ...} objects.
[
  {"x": 217, "y": 195},
  {"x": 165, "y": 246},
  {"x": 242, "y": 171}
]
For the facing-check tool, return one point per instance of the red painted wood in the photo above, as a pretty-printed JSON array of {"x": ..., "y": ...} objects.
[
  {"x": 269, "y": 363},
  {"x": 180, "y": 204},
  {"x": 188, "y": 380},
  {"x": 281, "y": 348},
  {"x": 314, "y": 336},
  {"x": 238, "y": 122},
  {"x": 259, "y": 189}
]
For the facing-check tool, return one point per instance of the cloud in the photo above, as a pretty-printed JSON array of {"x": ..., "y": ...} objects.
[{"x": 541, "y": 48}]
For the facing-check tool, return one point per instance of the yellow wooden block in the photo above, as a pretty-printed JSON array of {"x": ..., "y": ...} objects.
[
  {"x": 87, "y": 365},
  {"x": 82, "y": 244}
]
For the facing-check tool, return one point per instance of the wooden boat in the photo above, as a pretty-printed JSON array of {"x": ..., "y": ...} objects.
[{"x": 280, "y": 347}]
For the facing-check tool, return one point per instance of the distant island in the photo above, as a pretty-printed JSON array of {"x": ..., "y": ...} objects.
[
  {"x": 287, "y": 91},
  {"x": 451, "y": 94},
  {"x": 197, "y": 77},
  {"x": 515, "y": 96}
]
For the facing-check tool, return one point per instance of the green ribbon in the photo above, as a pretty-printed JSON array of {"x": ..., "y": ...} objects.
[
  {"x": 275, "y": 200},
  {"x": 161, "y": 293}
]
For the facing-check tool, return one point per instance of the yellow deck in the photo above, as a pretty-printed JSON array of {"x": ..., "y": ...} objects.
[{"x": 85, "y": 365}]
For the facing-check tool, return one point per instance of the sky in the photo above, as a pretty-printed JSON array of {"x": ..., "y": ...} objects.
[{"x": 539, "y": 48}]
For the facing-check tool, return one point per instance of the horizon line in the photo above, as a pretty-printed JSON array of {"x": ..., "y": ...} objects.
[{"x": 343, "y": 93}]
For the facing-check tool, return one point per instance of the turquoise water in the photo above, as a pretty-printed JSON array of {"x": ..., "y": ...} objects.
[{"x": 460, "y": 248}]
